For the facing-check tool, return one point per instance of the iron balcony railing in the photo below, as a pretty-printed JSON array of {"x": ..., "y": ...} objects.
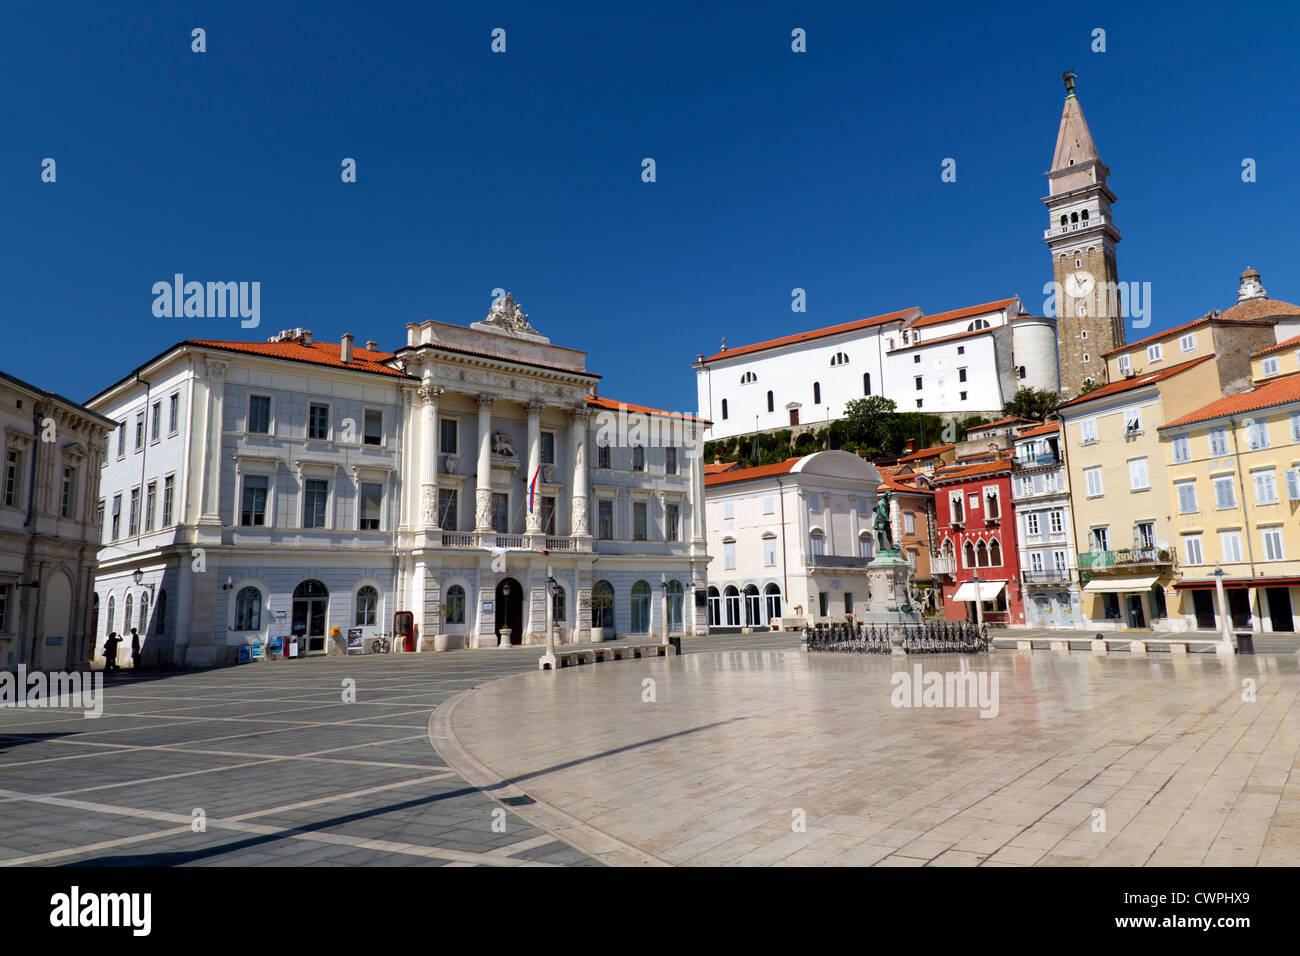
[
  {"x": 1125, "y": 558},
  {"x": 837, "y": 561},
  {"x": 1047, "y": 576}
]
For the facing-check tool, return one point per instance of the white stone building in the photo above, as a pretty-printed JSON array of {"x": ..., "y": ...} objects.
[
  {"x": 294, "y": 487},
  {"x": 1040, "y": 496},
  {"x": 965, "y": 362},
  {"x": 790, "y": 542},
  {"x": 49, "y": 530}
]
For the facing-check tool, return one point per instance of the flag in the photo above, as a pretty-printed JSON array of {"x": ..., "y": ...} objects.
[{"x": 532, "y": 491}]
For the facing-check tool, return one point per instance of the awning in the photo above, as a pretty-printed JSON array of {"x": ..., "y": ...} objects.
[
  {"x": 1119, "y": 585},
  {"x": 989, "y": 590}
]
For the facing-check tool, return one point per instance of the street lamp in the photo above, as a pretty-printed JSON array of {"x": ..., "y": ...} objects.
[
  {"x": 663, "y": 607},
  {"x": 1226, "y": 630},
  {"x": 506, "y": 631},
  {"x": 137, "y": 576},
  {"x": 979, "y": 603}
]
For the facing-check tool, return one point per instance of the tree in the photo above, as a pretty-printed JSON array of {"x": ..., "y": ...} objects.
[
  {"x": 868, "y": 421},
  {"x": 1033, "y": 403},
  {"x": 1089, "y": 386}
]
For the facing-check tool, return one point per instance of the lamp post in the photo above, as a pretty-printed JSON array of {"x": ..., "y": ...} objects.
[
  {"x": 1225, "y": 620},
  {"x": 138, "y": 575},
  {"x": 506, "y": 631},
  {"x": 979, "y": 603},
  {"x": 663, "y": 607}
]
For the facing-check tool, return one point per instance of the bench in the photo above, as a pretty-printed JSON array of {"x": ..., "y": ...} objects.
[
  {"x": 1136, "y": 646},
  {"x": 591, "y": 655}
]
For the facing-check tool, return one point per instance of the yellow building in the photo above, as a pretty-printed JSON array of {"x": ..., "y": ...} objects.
[
  {"x": 1120, "y": 498},
  {"x": 1233, "y": 469}
]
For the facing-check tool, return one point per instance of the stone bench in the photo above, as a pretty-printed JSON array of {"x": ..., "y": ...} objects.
[
  {"x": 591, "y": 655},
  {"x": 1176, "y": 645}
]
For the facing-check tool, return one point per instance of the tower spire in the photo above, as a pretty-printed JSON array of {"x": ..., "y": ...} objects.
[{"x": 1074, "y": 145}]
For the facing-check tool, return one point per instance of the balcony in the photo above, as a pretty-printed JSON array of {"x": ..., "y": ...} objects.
[
  {"x": 942, "y": 564},
  {"x": 456, "y": 539},
  {"x": 1035, "y": 461},
  {"x": 1125, "y": 558},
  {"x": 1047, "y": 576},
  {"x": 837, "y": 561}
]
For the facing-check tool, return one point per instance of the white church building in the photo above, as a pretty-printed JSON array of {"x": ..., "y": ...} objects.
[
  {"x": 965, "y": 362},
  {"x": 317, "y": 490}
]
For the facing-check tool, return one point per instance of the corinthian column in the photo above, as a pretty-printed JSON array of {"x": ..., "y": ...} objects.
[
  {"x": 533, "y": 521},
  {"x": 428, "y": 454},
  {"x": 578, "y": 462},
  {"x": 483, "y": 494}
]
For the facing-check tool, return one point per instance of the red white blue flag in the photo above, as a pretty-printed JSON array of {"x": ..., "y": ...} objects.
[{"x": 532, "y": 491}]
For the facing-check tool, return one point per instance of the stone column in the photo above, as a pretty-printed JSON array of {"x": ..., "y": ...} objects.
[
  {"x": 428, "y": 394},
  {"x": 483, "y": 493},
  {"x": 578, "y": 522},
  {"x": 210, "y": 498},
  {"x": 533, "y": 516}
]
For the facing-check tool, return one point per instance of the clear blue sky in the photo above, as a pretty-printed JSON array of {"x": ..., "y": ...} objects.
[{"x": 523, "y": 170}]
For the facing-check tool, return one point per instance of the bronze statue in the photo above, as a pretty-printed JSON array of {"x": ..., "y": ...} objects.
[{"x": 884, "y": 528}]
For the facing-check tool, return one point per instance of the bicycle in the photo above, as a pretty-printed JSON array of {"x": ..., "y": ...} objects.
[{"x": 381, "y": 645}]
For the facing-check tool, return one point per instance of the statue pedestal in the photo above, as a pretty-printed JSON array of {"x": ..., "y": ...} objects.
[{"x": 891, "y": 606}]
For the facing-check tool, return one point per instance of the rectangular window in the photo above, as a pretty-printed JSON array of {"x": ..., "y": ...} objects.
[
  {"x": 918, "y": 383},
  {"x": 1230, "y": 545},
  {"x": 1031, "y": 523},
  {"x": 864, "y": 507},
  {"x": 1182, "y": 448},
  {"x": 1036, "y": 561},
  {"x": 139, "y": 431},
  {"x": 1186, "y": 497},
  {"x": 1188, "y": 342},
  {"x": 548, "y": 448},
  {"x": 1132, "y": 421},
  {"x": 672, "y": 522},
  {"x": 605, "y": 520},
  {"x": 374, "y": 427},
  {"x": 447, "y": 509},
  {"x": 639, "y": 521},
  {"x": 1265, "y": 488},
  {"x": 1293, "y": 484},
  {"x": 121, "y": 439},
  {"x": 1056, "y": 522},
  {"x": 314, "y": 500},
  {"x": 259, "y": 414},
  {"x": 133, "y": 525},
  {"x": 13, "y": 468},
  {"x": 1125, "y": 364},
  {"x": 1061, "y": 562},
  {"x": 1225, "y": 496},
  {"x": 150, "y": 504},
  {"x": 961, "y": 375},
  {"x": 155, "y": 424},
  {"x": 1218, "y": 442},
  {"x": 848, "y": 602},
  {"x": 817, "y": 544},
  {"x": 1088, "y": 431},
  {"x": 728, "y": 509},
  {"x": 69, "y": 493},
  {"x": 769, "y": 552},
  {"x": 1092, "y": 477},
  {"x": 670, "y": 460},
  {"x": 99, "y": 515},
  {"x": 173, "y": 413},
  {"x": 1100, "y": 538},
  {"x": 638, "y": 458},
  {"x": 1273, "y": 544},
  {"x": 252, "y": 511},
  {"x": 729, "y": 555},
  {"x": 548, "y": 516},
  {"x": 1137, "y": 475},
  {"x": 447, "y": 435},
  {"x": 602, "y": 456},
  {"x": 1155, "y": 352},
  {"x": 1192, "y": 546},
  {"x": 1144, "y": 534},
  {"x": 769, "y": 505},
  {"x": 169, "y": 496},
  {"x": 372, "y": 502},
  {"x": 1295, "y": 428},
  {"x": 500, "y": 512},
  {"x": 909, "y": 522},
  {"x": 117, "y": 517},
  {"x": 318, "y": 422},
  {"x": 814, "y": 502},
  {"x": 1270, "y": 366},
  {"x": 824, "y": 603},
  {"x": 1258, "y": 435}
]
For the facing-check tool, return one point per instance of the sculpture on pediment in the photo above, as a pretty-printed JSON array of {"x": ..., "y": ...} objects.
[
  {"x": 506, "y": 314},
  {"x": 501, "y": 445},
  {"x": 548, "y": 474}
]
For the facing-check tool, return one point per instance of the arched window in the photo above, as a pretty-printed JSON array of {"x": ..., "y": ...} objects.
[
  {"x": 840, "y": 358},
  {"x": 454, "y": 606},
  {"x": 982, "y": 555},
  {"x": 731, "y": 604},
  {"x": 715, "y": 607},
  {"x": 724, "y": 408},
  {"x": 970, "y": 555},
  {"x": 160, "y": 614},
  {"x": 977, "y": 325},
  {"x": 771, "y": 402},
  {"x": 1074, "y": 217},
  {"x": 753, "y": 606},
  {"x": 675, "y": 605},
  {"x": 1064, "y": 219},
  {"x": 772, "y": 600},
  {"x": 248, "y": 609},
  {"x": 865, "y": 544},
  {"x": 747, "y": 378},
  {"x": 367, "y": 609},
  {"x": 816, "y": 542},
  {"x": 108, "y": 620},
  {"x": 144, "y": 613},
  {"x": 641, "y": 608},
  {"x": 602, "y": 605},
  {"x": 995, "y": 553},
  {"x": 559, "y": 609},
  {"x": 1022, "y": 372},
  {"x": 126, "y": 615},
  {"x": 817, "y": 393},
  {"x": 866, "y": 383},
  {"x": 1084, "y": 215}
]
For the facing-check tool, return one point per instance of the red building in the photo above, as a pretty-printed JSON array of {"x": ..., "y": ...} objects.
[{"x": 976, "y": 535}]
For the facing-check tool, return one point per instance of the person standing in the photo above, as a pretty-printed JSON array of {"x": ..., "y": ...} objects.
[
  {"x": 110, "y": 652},
  {"x": 135, "y": 649}
]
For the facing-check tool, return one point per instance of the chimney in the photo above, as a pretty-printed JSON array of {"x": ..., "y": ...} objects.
[
  {"x": 304, "y": 336},
  {"x": 717, "y": 459},
  {"x": 911, "y": 445},
  {"x": 372, "y": 346},
  {"x": 345, "y": 351}
]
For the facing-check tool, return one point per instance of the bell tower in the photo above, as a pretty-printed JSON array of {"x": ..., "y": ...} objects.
[{"x": 1081, "y": 235}]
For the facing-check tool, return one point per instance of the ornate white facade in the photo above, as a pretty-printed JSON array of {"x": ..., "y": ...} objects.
[{"x": 320, "y": 488}]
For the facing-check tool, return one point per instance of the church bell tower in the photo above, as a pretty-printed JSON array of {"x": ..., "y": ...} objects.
[{"x": 1081, "y": 235}]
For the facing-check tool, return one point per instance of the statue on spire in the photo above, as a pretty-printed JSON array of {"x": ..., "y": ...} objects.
[{"x": 1068, "y": 78}]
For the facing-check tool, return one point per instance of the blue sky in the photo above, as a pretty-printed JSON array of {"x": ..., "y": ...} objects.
[{"x": 522, "y": 170}]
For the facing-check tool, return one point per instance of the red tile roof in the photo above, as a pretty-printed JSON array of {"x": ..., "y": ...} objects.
[
  {"x": 1010, "y": 420},
  {"x": 944, "y": 338},
  {"x": 924, "y": 453},
  {"x": 1277, "y": 391},
  {"x": 758, "y": 471},
  {"x": 814, "y": 334},
  {"x": 889, "y": 481},
  {"x": 956, "y": 314},
  {"x": 1137, "y": 381},
  {"x": 1046, "y": 428},
  {"x": 1288, "y": 344},
  {"x": 1179, "y": 329},
  {"x": 960, "y": 473},
  {"x": 717, "y": 468},
  {"x": 318, "y": 353},
  {"x": 612, "y": 405}
]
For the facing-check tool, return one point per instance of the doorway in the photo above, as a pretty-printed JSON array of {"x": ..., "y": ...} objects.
[
  {"x": 510, "y": 609},
  {"x": 310, "y": 609},
  {"x": 1279, "y": 609},
  {"x": 1136, "y": 618},
  {"x": 1239, "y": 607},
  {"x": 1203, "y": 605}
]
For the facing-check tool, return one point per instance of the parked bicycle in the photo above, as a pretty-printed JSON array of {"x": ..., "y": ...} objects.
[{"x": 381, "y": 645}]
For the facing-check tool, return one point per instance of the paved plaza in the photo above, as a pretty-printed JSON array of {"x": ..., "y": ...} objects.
[{"x": 745, "y": 735}]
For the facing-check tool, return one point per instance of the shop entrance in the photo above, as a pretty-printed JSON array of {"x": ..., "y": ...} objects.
[
  {"x": 1203, "y": 605},
  {"x": 1279, "y": 609},
  {"x": 510, "y": 609},
  {"x": 310, "y": 608},
  {"x": 1136, "y": 617}
]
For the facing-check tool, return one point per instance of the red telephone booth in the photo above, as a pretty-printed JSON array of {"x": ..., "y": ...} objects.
[{"x": 405, "y": 630}]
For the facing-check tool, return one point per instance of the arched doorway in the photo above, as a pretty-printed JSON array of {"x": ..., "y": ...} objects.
[
  {"x": 51, "y": 650},
  {"x": 715, "y": 607},
  {"x": 310, "y": 609},
  {"x": 510, "y": 609},
  {"x": 772, "y": 602},
  {"x": 641, "y": 608},
  {"x": 602, "y": 608},
  {"x": 753, "y": 607}
]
